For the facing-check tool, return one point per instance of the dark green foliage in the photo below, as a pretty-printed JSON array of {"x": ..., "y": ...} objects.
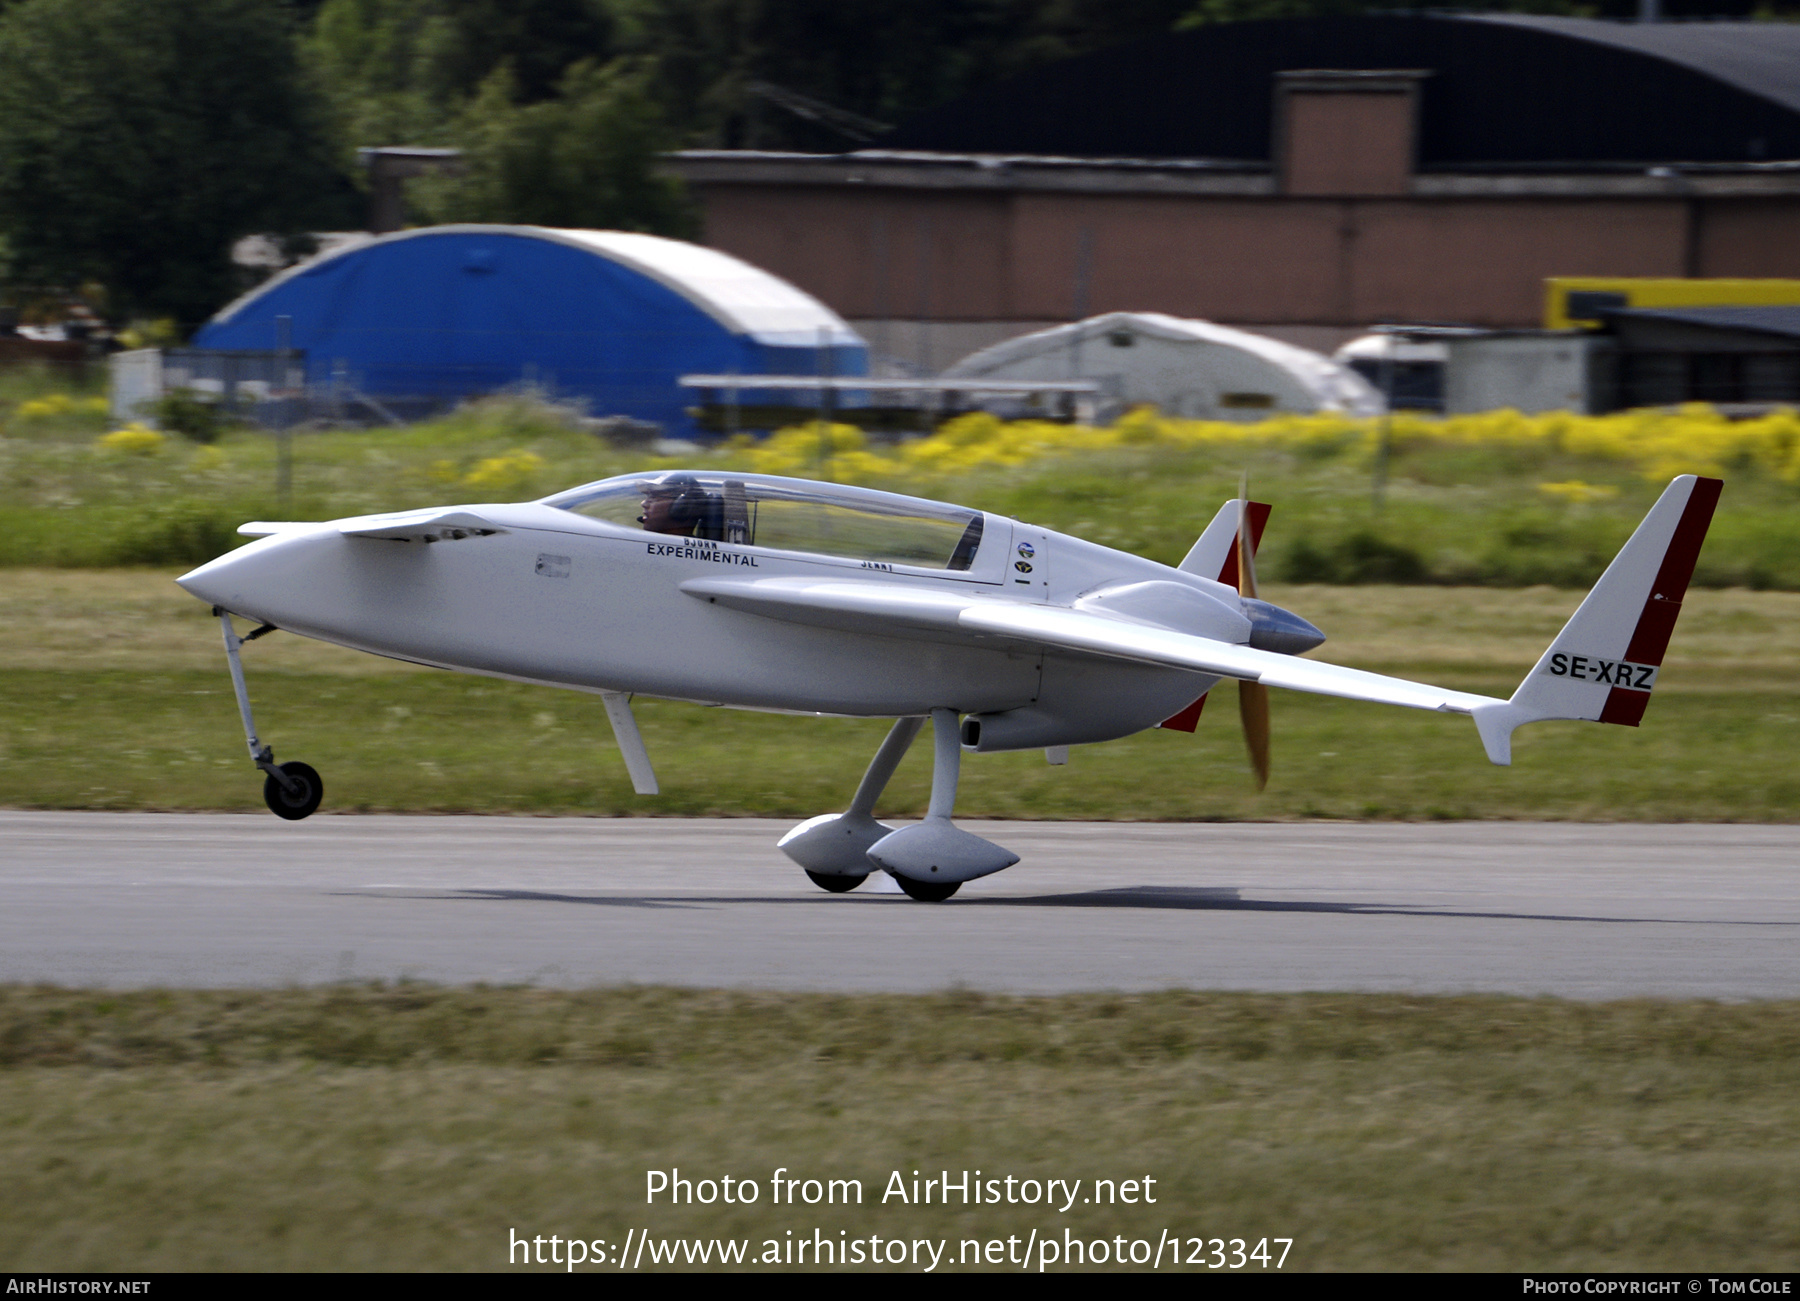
[
  {"x": 137, "y": 141},
  {"x": 183, "y": 412},
  {"x": 443, "y": 50},
  {"x": 175, "y": 533},
  {"x": 882, "y": 59},
  {"x": 1362, "y": 556},
  {"x": 555, "y": 130},
  {"x": 404, "y": 67},
  {"x": 584, "y": 159}
]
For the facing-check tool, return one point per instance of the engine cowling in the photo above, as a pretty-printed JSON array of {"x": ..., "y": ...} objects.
[{"x": 1083, "y": 700}]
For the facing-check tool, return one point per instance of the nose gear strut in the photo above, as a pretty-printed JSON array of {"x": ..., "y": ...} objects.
[{"x": 291, "y": 790}]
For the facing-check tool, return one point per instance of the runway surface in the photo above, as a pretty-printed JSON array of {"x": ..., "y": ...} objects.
[{"x": 1578, "y": 910}]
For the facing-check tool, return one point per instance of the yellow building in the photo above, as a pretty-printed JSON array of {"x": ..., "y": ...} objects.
[{"x": 1574, "y": 301}]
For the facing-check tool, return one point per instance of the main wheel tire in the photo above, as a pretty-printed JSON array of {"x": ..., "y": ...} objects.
[
  {"x": 299, "y": 802},
  {"x": 837, "y": 884},
  {"x": 928, "y": 891}
]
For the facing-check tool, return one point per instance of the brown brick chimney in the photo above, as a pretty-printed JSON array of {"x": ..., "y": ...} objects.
[{"x": 1343, "y": 133}]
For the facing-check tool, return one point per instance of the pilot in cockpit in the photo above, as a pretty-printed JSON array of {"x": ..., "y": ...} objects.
[{"x": 678, "y": 506}]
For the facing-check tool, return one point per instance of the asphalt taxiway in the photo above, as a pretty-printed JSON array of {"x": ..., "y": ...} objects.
[{"x": 1590, "y": 911}]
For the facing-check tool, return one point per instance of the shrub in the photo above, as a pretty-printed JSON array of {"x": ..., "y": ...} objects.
[
  {"x": 1358, "y": 557},
  {"x": 190, "y": 415},
  {"x": 133, "y": 440}
]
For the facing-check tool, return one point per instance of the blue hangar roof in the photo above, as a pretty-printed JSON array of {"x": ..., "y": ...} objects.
[{"x": 604, "y": 316}]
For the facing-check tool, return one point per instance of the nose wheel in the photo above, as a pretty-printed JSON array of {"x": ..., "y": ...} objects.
[{"x": 301, "y": 794}]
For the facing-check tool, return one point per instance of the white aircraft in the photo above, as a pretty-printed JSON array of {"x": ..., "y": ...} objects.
[{"x": 781, "y": 594}]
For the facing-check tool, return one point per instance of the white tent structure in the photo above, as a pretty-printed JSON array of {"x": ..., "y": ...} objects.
[
  {"x": 1405, "y": 366},
  {"x": 1184, "y": 368}
]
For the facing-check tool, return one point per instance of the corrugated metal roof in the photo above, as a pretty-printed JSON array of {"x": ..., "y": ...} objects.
[
  {"x": 1509, "y": 91},
  {"x": 605, "y": 320},
  {"x": 1760, "y": 320},
  {"x": 1762, "y": 58},
  {"x": 1332, "y": 386},
  {"x": 744, "y": 299}
]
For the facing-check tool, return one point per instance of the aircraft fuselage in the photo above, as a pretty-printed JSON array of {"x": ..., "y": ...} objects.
[{"x": 564, "y": 600}]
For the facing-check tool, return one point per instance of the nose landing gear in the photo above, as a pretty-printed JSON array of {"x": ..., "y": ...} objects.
[{"x": 291, "y": 790}]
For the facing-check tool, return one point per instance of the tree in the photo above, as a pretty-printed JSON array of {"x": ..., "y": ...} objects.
[
  {"x": 398, "y": 71},
  {"x": 880, "y": 59},
  {"x": 586, "y": 158},
  {"x": 138, "y": 141}
]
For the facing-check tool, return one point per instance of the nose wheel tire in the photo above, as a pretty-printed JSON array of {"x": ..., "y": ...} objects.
[
  {"x": 837, "y": 884},
  {"x": 298, "y": 802},
  {"x": 928, "y": 891}
]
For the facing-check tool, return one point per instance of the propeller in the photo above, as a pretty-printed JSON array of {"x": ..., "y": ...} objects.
[{"x": 1253, "y": 697}]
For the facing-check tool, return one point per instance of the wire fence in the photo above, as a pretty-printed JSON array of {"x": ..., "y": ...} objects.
[{"x": 285, "y": 389}]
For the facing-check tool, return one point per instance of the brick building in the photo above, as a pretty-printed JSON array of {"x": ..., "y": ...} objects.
[{"x": 1304, "y": 178}]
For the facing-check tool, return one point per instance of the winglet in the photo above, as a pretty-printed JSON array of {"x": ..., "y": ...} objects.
[
  {"x": 1603, "y": 664},
  {"x": 1495, "y": 723}
]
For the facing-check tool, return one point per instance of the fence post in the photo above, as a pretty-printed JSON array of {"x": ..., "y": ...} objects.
[{"x": 284, "y": 434}]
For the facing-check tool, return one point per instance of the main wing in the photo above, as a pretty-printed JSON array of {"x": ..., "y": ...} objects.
[
  {"x": 856, "y": 605},
  {"x": 1601, "y": 667}
]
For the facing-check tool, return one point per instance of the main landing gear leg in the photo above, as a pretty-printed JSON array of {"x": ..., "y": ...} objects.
[
  {"x": 291, "y": 790},
  {"x": 834, "y": 847},
  {"x": 931, "y": 860}
]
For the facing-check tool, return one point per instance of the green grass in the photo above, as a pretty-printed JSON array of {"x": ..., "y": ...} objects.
[
  {"x": 113, "y": 694},
  {"x": 124, "y": 739},
  {"x": 412, "y": 1128}
]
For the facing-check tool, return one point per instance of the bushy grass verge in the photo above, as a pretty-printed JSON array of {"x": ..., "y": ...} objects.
[
  {"x": 407, "y": 1024},
  {"x": 1499, "y": 499},
  {"x": 420, "y": 1128}
]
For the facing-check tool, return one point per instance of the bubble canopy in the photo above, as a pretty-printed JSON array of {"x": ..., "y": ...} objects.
[{"x": 784, "y": 515}]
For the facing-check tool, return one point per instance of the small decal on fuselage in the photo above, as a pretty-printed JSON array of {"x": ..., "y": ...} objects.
[
  {"x": 1592, "y": 668},
  {"x": 1021, "y": 566},
  {"x": 553, "y": 566},
  {"x": 700, "y": 549}
]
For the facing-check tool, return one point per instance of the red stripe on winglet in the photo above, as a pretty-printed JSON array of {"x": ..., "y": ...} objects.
[
  {"x": 1650, "y": 640},
  {"x": 1187, "y": 720},
  {"x": 1626, "y": 708},
  {"x": 1258, "y": 511}
]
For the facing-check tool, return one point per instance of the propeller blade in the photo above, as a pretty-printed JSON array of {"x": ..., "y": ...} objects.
[
  {"x": 1253, "y": 709},
  {"x": 1246, "y": 548},
  {"x": 1253, "y": 697}
]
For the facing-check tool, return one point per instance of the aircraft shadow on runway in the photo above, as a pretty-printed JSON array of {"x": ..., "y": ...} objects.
[{"x": 1179, "y": 898}]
